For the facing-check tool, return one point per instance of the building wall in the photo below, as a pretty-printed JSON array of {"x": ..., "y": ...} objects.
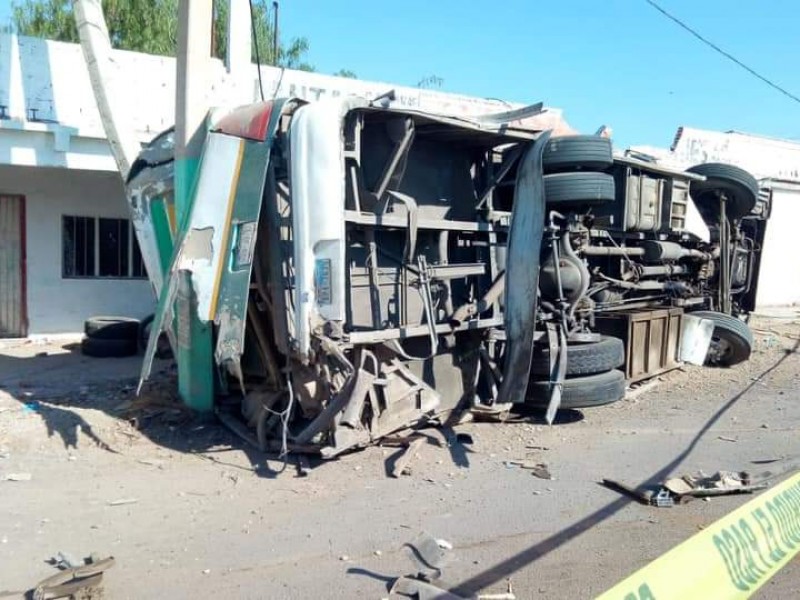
[
  {"x": 779, "y": 280},
  {"x": 56, "y": 304}
]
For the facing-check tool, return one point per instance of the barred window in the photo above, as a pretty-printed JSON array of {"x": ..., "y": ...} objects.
[{"x": 100, "y": 247}]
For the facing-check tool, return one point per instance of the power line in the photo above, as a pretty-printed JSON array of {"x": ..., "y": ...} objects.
[{"x": 675, "y": 19}]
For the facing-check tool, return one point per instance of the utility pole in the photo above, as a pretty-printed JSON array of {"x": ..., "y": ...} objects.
[{"x": 194, "y": 351}]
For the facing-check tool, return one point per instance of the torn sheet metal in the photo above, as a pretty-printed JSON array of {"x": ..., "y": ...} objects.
[
  {"x": 522, "y": 273},
  {"x": 318, "y": 193},
  {"x": 151, "y": 203},
  {"x": 206, "y": 230}
]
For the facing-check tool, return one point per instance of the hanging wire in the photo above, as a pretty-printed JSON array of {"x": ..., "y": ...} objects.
[{"x": 722, "y": 52}]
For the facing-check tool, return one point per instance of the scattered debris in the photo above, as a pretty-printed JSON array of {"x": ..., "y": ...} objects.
[
  {"x": 427, "y": 555},
  {"x": 682, "y": 489},
  {"x": 718, "y": 484},
  {"x": 18, "y": 477},
  {"x": 444, "y": 544},
  {"x": 634, "y": 393},
  {"x": 539, "y": 470},
  {"x": 417, "y": 588},
  {"x": 401, "y": 465},
  {"x": 726, "y": 439},
  {"x": 73, "y": 581},
  {"x": 507, "y": 595},
  {"x": 643, "y": 494},
  {"x": 64, "y": 560},
  {"x": 303, "y": 466},
  {"x": 123, "y": 501}
]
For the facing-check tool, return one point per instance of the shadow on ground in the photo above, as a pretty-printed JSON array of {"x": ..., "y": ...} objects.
[
  {"x": 505, "y": 568},
  {"x": 57, "y": 383}
]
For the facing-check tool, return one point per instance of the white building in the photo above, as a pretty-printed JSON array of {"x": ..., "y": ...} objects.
[
  {"x": 776, "y": 164},
  {"x": 66, "y": 248}
]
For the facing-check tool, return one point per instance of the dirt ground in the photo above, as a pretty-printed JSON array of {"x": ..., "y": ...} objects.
[{"x": 190, "y": 512}]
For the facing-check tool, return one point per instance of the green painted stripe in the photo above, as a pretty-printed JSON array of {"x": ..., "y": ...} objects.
[{"x": 164, "y": 240}]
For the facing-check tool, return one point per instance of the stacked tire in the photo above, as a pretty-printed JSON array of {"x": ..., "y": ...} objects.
[
  {"x": 576, "y": 178},
  {"x": 576, "y": 172},
  {"x": 592, "y": 377},
  {"x": 106, "y": 337}
]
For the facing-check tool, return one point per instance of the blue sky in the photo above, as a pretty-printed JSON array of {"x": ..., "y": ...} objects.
[{"x": 613, "y": 62}]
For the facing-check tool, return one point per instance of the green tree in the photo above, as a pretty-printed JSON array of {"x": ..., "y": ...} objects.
[
  {"x": 151, "y": 26},
  {"x": 345, "y": 73}
]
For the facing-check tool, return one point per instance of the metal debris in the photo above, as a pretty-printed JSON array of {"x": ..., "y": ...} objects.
[
  {"x": 401, "y": 465},
  {"x": 422, "y": 590},
  {"x": 123, "y": 501},
  {"x": 427, "y": 555},
  {"x": 70, "y": 581},
  {"x": 539, "y": 470},
  {"x": 718, "y": 484}
]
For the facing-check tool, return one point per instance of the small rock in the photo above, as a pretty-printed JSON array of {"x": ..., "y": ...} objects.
[
  {"x": 3, "y": 540},
  {"x": 378, "y": 553},
  {"x": 18, "y": 477},
  {"x": 206, "y": 571},
  {"x": 344, "y": 558},
  {"x": 764, "y": 426},
  {"x": 72, "y": 457},
  {"x": 357, "y": 468}
]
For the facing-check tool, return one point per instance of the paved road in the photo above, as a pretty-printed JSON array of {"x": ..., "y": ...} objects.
[{"x": 206, "y": 524}]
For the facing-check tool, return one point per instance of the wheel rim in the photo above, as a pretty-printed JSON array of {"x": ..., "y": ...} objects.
[{"x": 719, "y": 350}]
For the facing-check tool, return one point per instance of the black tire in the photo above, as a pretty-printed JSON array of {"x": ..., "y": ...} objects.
[
  {"x": 580, "y": 392},
  {"x": 111, "y": 328},
  {"x": 574, "y": 152},
  {"x": 583, "y": 359},
  {"x": 578, "y": 188},
  {"x": 102, "y": 348},
  {"x": 739, "y": 185},
  {"x": 731, "y": 341}
]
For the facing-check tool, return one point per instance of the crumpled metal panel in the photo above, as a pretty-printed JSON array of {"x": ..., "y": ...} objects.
[
  {"x": 199, "y": 240},
  {"x": 522, "y": 273},
  {"x": 317, "y": 182}
]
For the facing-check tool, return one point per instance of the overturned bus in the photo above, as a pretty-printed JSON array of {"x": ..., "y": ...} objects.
[{"x": 367, "y": 269}]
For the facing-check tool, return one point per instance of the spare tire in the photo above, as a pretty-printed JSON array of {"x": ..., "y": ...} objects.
[
  {"x": 580, "y": 392},
  {"x": 111, "y": 328},
  {"x": 575, "y": 152},
  {"x": 102, "y": 348},
  {"x": 583, "y": 359},
  {"x": 740, "y": 187},
  {"x": 578, "y": 188},
  {"x": 731, "y": 341}
]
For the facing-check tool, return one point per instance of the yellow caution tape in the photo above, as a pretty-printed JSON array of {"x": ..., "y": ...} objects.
[{"x": 730, "y": 559}]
